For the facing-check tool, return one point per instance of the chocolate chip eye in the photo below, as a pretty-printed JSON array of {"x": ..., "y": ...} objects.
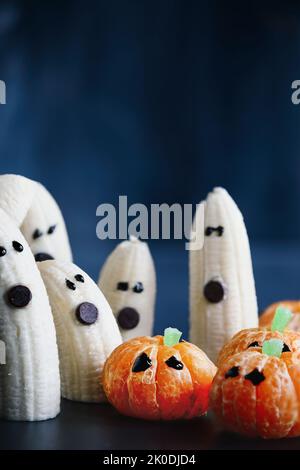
[
  {"x": 174, "y": 363},
  {"x": 142, "y": 363},
  {"x": 255, "y": 377},
  {"x": 79, "y": 277},
  {"x": 208, "y": 231},
  {"x": 122, "y": 286},
  {"x": 51, "y": 229},
  {"x": 17, "y": 246},
  {"x": 219, "y": 231},
  {"x": 233, "y": 372},
  {"x": 37, "y": 234},
  {"x": 70, "y": 284},
  {"x": 138, "y": 288},
  {"x": 255, "y": 344},
  {"x": 2, "y": 251},
  {"x": 285, "y": 348}
]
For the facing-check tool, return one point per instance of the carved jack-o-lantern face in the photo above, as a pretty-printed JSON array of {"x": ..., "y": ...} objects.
[
  {"x": 256, "y": 390},
  {"x": 258, "y": 395},
  {"x": 253, "y": 338},
  {"x": 146, "y": 378}
]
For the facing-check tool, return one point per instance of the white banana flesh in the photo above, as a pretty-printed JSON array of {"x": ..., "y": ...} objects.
[
  {"x": 86, "y": 329},
  {"x": 29, "y": 379},
  {"x": 128, "y": 281},
  {"x": 37, "y": 214},
  {"x": 222, "y": 289}
]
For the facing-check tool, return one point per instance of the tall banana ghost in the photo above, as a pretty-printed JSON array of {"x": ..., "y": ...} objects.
[
  {"x": 37, "y": 214},
  {"x": 87, "y": 331},
  {"x": 128, "y": 282},
  {"x": 29, "y": 373},
  {"x": 222, "y": 289}
]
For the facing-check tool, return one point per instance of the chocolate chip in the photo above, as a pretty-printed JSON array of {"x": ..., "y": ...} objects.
[
  {"x": 37, "y": 234},
  {"x": 17, "y": 246},
  {"x": 42, "y": 257},
  {"x": 51, "y": 229},
  {"x": 255, "y": 377},
  {"x": 87, "y": 313},
  {"x": 19, "y": 296},
  {"x": 219, "y": 230},
  {"x": 2, "y": 251},
  {"x": 174, "y": 363},
  {"x": 79, "y": 277},
  {"x": 285, "y": 348},
  {"x": 233, "y": 372},
  {"x": 142, "y": 363},
  {"x": 122, "y": 286},
  {"x": 128, "y": 318},
  {"x": 70, "y": 284},
  {"x": 214, "y": 292},
  {"x": 255, "y": 344},
  {"x": 138, "y": 288}
]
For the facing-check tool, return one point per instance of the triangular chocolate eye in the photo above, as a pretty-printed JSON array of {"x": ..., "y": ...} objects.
[
  {"x": 233, "y": 372},
  {"x": 51, "y": 229},
  {"x": 174, "y": 363},
  {"x": 285, "y": 348},
  {"x": 255, "y": 344},
  {"x": 142, "y": 363},
  {"x": 255, "y": 377}
]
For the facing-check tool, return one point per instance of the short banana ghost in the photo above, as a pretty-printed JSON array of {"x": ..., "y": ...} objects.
[
  {"x": 128, "y": 281},
  {"x": 29, "y": 377},
  {"x": 86, "y": 329},
  {"x": 37, "y": 214},
  {"x": 222, "y": 289}
]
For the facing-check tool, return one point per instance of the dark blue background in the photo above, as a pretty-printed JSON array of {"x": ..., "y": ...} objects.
[{"x": 160, "y": 101}]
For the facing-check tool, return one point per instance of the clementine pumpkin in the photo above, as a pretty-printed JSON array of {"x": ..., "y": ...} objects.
[
  {"x": 265, "y": 319},
  {"x": 253, "y": 338},
  {"x": 158, "y": 378},
  {"x": 259, "y": 394}
]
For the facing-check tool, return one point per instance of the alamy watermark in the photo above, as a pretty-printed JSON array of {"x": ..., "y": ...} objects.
[
  {"x": 160, "y": 221},
  {"x": 2, "y": 353},
  {"x": 2, "y": 92}
]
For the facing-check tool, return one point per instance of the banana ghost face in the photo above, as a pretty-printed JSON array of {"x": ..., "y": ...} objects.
[
  {"x": 29, "y": 379},
  {"x": 128, "y": 281},
  {"x": 86, "y": 329},
  {"x": 38, "y": 216},
  {"x": 222, "y": 290}
]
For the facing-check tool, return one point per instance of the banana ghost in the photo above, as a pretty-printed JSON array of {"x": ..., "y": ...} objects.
[
  {"x": 29, "y": 377},
  {"x": 37, "y": 214},
  {"x": 128, "y": 281},
  {"x": 222, "y": 289},
  {"x": 86, "y": 329}
]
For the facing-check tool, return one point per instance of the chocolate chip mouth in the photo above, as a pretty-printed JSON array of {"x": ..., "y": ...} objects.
[
  {"x": 18, "y": 296},
  {"x": 214, "y": 291},
  {"x": 87, "y": 313},
  {"x": 42, "y": 257},
  {"x": 128, "y": 318}
]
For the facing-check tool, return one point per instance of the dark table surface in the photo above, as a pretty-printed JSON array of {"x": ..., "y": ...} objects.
[
  {"x": 94, "y": 427},
  {"x": 86, "y": 426}
]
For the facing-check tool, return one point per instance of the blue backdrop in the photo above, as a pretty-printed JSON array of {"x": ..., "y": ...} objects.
[{"x": 160, "y": 101}]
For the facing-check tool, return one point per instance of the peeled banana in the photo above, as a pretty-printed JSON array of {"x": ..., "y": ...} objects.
[
  {"x": 86, "y": 329},
  {"x": 37, "y": 214},
  {"x": 222, "y": 289},
  {"x": 128, "y": 281},
  {"x": 29, "y": 376}
]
